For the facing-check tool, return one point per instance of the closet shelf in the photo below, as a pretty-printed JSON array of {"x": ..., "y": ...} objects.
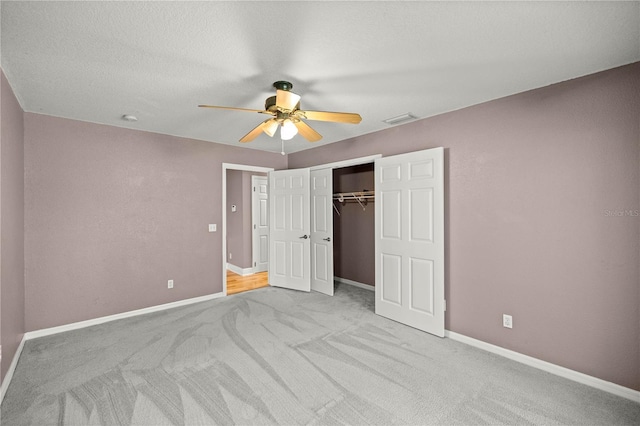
[
  {"x": 362, "y": 197},
  {"x": 358, "y": 195}
]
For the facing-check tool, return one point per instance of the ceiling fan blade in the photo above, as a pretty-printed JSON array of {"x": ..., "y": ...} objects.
[
  {"x": 338, "y": 117},
  {"x": 237, "y": 109},
  {"x": 286, "y": 100},
  {"x": 266, "y": 126},
  {"x": 307, "y": 132}
]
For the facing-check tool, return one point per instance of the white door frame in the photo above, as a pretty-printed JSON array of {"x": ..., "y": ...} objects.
[
  {"x": 225, "y": 167},
  {"x": 348, "y": 163}
]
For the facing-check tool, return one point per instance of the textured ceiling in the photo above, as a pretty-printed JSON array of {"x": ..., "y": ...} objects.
[{"x": 95, "y": 61}]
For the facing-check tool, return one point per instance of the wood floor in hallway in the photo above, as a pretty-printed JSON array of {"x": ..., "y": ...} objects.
[{"x": 237, "y": 283}]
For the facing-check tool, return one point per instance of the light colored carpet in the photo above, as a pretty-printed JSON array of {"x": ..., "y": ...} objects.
[{"x": 274, "y": 356}]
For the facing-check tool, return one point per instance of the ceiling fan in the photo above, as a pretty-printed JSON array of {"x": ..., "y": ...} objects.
[{"x": 286, "y": 112}]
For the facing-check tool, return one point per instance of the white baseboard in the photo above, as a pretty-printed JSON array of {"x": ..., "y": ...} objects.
[
  {"x": 567, "y": 373},
  {"x": 12, "y": 368},
  {"x": 238, "y": 270},
  {"x": 88, "y": 323},
  {"x": 354, "y": 283}
]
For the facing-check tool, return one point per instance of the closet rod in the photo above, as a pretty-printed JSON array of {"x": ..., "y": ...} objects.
[{"x": 359, "y": 196}]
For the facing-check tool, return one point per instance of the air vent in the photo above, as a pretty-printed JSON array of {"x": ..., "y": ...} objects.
[{"x": 400, "y": 119}]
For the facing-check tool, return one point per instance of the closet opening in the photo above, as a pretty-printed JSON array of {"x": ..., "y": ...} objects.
[{"x": 354, "y": 226}]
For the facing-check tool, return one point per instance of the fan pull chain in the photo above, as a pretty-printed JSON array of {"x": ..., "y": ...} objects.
[{"x": 282, "y": 149}]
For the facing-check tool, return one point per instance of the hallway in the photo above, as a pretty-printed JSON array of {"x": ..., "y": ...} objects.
[{"x": 238, "y": 284}]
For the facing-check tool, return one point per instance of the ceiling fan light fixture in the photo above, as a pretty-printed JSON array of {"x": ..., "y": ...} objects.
[
  {"x": 284, "y": 108},
  {"x": 288, "y": 130}
]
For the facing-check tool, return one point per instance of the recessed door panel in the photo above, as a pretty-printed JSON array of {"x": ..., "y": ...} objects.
[
  {"x": 421, "y": 214},
  {"x": 297, "y": 182},
  {"x": 420, "y": 169},
  {"x": 320, "y": 258},
  {"x": 263, "y": 218},
  {"x": 391, "y": 204},
  {"x": 390, "y": 173},
  {"x": 421, "y": 276},
  {"x": 264, "y": 249},
  {"x": 280, "y": 255},
  {"x": 319, "y": 182},
  {"x": 280, "y": 221},
  {"x": 297, "y": 261},
  {"x": 320, "y": 218},
  {"x": 390, "y": 284},
  {"x": 298, "y": 211},
  {"x": 280, "y": 183}
]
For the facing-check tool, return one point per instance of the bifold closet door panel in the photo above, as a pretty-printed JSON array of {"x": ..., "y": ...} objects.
[
  {"x": 322, "y": 231},
  {"x": 410, "y": 239},
  {"x": 289, "y": 228}
]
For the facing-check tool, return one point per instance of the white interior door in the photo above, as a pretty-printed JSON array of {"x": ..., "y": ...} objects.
[
  {"x": 260, "y": 221},
  {"x": 289, "y": 228},
  {"x": 409, "y": 192},
  {"x": 322, "y": 231}
]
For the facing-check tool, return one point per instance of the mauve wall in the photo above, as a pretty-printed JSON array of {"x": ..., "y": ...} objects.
[
  {"x": 534, "y": 186},
  {"x": 111, "y": 214},
  {"x": 235, "y": 237},
  {"x": 12, "y": 313},
  {"x": 353, "y": 230}
]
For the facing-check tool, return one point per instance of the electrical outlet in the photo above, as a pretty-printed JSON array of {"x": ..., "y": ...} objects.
[
  {"x": 170, "y": 284},
  {"x": 212, "y": 227},
  {"x": 507, "y": 321}
]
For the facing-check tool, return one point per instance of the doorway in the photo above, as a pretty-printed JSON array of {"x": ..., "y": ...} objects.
[
  {"x": 239, "y": 284},
  {"x": 409, "y": 235},
  {"x": 237, "y": 232},
  {"x": 354, "y": 226}
]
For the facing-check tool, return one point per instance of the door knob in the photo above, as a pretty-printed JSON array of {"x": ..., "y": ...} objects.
[
  {"x": 305, "y": 237},
  {"x": 327, "y": 239}
]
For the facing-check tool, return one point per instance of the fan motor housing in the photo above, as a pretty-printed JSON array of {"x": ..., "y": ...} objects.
[{"x": 283, "y": 85}]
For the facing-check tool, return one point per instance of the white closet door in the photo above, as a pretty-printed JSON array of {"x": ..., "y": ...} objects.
[
  {"x": 260, "y": 219},
  {"x": 322, "y": 231},
  {"x": 409, "y": 192},
  {"x": 289, "y": 227}
]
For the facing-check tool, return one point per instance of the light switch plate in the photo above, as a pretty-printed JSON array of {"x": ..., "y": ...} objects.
[{"x": 212, "y": 227}]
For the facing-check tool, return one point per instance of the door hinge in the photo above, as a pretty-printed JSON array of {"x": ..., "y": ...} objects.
[
  {"x": 255, "y": 264},
  {"x": 254, "y": 189},
  {"x": 445, "y": 305},
  {"x": 254, "y": 226}
]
